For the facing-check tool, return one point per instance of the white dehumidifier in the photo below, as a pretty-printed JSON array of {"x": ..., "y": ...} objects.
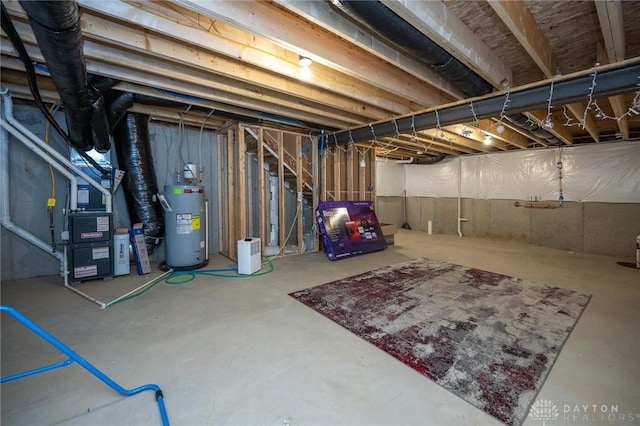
[{"x": 249, "y": 259}]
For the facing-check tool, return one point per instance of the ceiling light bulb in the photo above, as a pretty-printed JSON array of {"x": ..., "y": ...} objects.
[
  {"x": 487, "y": 140},
  {"x": 304, "y": 61},
  {"x": 500, "y": 128}
]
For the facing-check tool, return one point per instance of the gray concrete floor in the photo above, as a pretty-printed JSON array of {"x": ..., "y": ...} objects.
[{"x": 242, "y": 352}]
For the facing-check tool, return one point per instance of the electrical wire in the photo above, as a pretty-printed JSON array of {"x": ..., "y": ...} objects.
[{"x": 293, "y": 224}]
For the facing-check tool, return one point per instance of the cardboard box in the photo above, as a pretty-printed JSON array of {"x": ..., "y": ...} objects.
[
  {"x": 140, "y": 255},
  {"x": 388, "y": 230},
  {"x": 348, "y": 228}
]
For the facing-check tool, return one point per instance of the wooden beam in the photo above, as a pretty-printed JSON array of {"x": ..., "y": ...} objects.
[
  {"x": 559, "y": 130},
  {"x": 478, "y": 135},
  {"x": 323, "y": 177},
  {"x": 241, "y": 178},
  {"x": 223, "y": 219},
  {"x": 577, "y": 109},
  {"x": 508, "y": 135},
  {"x": 612, "y": 26},
  {"x": 422, "y": 143},
  {"x": 246, "y": 81},
  {"x": 111, "y": 62},
  {"x": 231, "y": 190},
  {"x": 257, "y": 52},
  {"x": 516, "y": 16},
  {"x": 372, "y": 178},
  {"x": 349, "y": 170},
  {"x": 299, "y": 196},
  {"x": 323, "y": 15},
  {"x": 264, "y": 232},
  {"x": 447, "y": 138},
  {"x": 434, "y": 19},
  {"x": 619, "y": 107},
  {"x": 282, "y": 212},
  {"x": 336, "y": 159},
  {"x": 303, "y": 38}
]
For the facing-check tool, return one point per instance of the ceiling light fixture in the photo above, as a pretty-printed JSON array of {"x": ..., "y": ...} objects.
[
  {"x": 500, "y": 128},
  {"x": 304, "y": 61},
  {"x": 487, "y": 140}
]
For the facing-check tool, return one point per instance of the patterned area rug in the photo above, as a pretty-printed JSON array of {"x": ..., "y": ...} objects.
[{"x": 491, "y": 339}]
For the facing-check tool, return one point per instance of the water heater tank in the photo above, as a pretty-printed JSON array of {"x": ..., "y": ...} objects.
[{"x": 185, "y": 227}]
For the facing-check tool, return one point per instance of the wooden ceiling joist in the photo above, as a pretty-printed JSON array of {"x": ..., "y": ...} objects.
[
  {"x": 306, "y": 39},
  {"x": 268, "y": 58},
  {"x": 520, "y": 22},
  {"x": 321, "y": 14},
  {"x": 434, "y": 20}
]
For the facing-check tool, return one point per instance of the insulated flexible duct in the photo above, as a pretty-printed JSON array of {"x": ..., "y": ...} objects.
[
  {"x": 385, "y": 22},
  {"x": 131, "y": 138},
  {"x": 16, "y": 41},
  {"x": 99, "y": 121},
  {"x": 57, "y": 28}
]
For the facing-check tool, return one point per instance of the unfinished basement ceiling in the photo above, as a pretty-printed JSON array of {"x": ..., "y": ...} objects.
[{"x": 238, "y": 60}]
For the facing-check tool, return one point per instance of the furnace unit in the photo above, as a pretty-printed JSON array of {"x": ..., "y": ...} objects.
[{"x": 90, "y": 245}]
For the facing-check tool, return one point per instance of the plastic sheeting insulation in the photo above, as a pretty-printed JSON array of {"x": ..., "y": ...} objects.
[
  {"x": 608, "y": 173},
  {"x": 131, "y": 137}
]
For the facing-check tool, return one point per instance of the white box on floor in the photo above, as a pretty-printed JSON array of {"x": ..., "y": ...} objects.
[{"x": 249, "y": 258}]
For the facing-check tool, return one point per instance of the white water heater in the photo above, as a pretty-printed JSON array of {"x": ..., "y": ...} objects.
[
  {"x": 185, "y": 226},
  {"x": 249, "y": 258}
]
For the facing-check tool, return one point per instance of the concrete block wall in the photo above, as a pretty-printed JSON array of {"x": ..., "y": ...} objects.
[{"x": 598, "y": 228}]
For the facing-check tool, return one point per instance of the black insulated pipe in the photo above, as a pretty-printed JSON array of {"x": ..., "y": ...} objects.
[
  {"x": 432, "y": 160},
  {"x": 385, "y": 22},
  {"x": 56, "y": 26},
  {"x": 131, "y": 139},
  {"x": 99, "y": 120}
]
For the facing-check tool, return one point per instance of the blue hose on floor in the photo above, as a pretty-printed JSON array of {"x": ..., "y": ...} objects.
[{"x": 73, "y": 356}]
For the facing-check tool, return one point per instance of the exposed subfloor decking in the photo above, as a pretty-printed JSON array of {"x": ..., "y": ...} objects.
[{"x": 242, "y": 352}]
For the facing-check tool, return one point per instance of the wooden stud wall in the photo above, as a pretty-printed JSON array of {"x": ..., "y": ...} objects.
[
  {"x": 237, "y": 183},
  {"x": 343, "y": 178}
]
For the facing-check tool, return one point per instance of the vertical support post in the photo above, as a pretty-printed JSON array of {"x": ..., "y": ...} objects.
[
  {"x": 362, "y": 180},
  {"x": 373, "y": 170},
  {"x": 316, "y": 185},
  {"x": 223, "y": 190},
  {"x": 261, "y": 191},
  {"x": 336, "y": 174},
  {"x": 323, "y": 176},
  {"x": 349, "y": 166},
  {"x": 282, "y": 223},
  {"x": 299, "y": 190},
  {"x": 231, "y": 190},
  {"x": 241, "y": 187}
]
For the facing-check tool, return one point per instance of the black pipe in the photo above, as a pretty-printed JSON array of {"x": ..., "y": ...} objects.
[
  {"x": 523, "y": 122},
  {"x": 56, "y": 26},
  {"x": 385, "y": 22},
  {"x": 18, "y": 45},
  {"x": 131, "y": 138},
  {"x": 431, "y": 160}
]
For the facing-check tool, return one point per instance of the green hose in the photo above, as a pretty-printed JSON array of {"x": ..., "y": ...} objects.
[{"x": 188, "y": 276}]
